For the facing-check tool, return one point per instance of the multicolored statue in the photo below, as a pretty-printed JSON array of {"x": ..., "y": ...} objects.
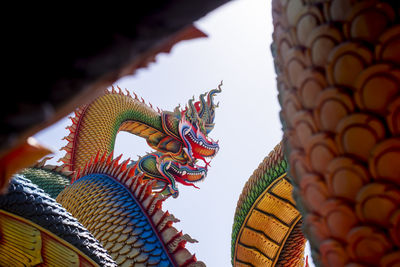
[
  {"x": 180, "y": 137},
  {"x": 117, "y": 206},
  {"x": 338, "y": 76}
]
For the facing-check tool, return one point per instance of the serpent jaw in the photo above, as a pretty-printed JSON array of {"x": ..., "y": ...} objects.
[
  {"x": 187, "y": 173},
  {"x": 197, "y": 144}
]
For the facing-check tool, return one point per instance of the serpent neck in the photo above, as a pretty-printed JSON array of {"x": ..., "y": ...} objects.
[{"x": 96, "y": 126}]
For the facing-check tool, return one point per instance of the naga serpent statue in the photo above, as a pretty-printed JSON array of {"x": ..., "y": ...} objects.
[
  {"x": 334, "y": 179},
  {"x": 108, "y": 213},
  {"x": 338, "y": 77}
]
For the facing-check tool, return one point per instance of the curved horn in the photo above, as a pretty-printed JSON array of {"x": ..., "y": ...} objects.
[
  {"x": 204, "y": 112},
  {"x": 209, "y": 122},
  {"x": 210, "y": 100}
]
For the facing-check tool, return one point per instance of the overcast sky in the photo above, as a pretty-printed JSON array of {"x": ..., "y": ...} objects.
[{"x": 247, "y": 124}]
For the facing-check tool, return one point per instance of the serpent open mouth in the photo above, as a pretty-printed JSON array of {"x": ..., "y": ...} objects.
[
  {"x": 186, "y": 173},
  {"x": 197, "y": 144}
]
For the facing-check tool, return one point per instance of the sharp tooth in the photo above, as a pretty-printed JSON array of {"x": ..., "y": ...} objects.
[
  {"x": 201, "y": 143},
  {"x": 169, "y": 165},
  {"x": 184, "y": 172},
  {"x": 186, "y": 131}
]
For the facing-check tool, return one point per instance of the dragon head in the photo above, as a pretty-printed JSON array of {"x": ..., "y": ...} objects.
[
  {"x": 167, "y": 172},
  {"x": 190, "y": 127},
  {"x": 185, "y": 143},
  {"x": 197, "y": 144}
]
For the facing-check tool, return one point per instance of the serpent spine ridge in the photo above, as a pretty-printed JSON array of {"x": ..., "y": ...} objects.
[
  {"x": 95, "y": 126},
  {"x": 338, "y": 76}
]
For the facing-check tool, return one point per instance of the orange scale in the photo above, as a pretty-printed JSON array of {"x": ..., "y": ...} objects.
[
  {"x": 296, "y": 63},
  {"x": 384, "y": 161},
  {"x": 314, "y": 192},
  {"x": 308, "y": 20},
  {"x": 311, "y": 84},
  {"x": 338, "y": 10},
  {"x": 304, "y": 126},
  {"x": 367, "y": 245},
  {"x": 331, "y": 106},
  {"x": 345, "y": 177},
  {"x": 376, "y": 203},
  {"x": 294, "y": 10},
  {"x": 340, "y": 218},
  {"x": 388, "y": 46},
  {"x": 368, "y": 20},
  {"x": 358, "y": 133},
  {"x": 320, "y": 43},
  {"x": 320, "y": 151},
  {"x": 284, "y": 44},
  {"x": 346, "y": 61},
  {"x": 376, "y": 87},
  {"x": 333, "y": 253}
]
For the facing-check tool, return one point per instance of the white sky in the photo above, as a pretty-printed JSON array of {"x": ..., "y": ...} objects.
[{"x": 237, "y": 51}]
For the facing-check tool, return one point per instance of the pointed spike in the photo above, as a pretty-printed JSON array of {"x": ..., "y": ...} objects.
[
  {"x": 109, "y": 158},
  {"x": 103, "y": 157},
  {"x": 125, "y": 175},
  {"x": 117, "y": 159},
  {"x": 96, "y": 159},
  {"x": 124, "y": 164}
]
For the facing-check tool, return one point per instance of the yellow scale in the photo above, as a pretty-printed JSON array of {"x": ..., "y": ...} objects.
[{"x": 24, "y": 243}]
